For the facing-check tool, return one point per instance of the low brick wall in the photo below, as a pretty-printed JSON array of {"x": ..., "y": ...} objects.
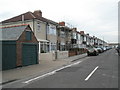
[
  {"x": 72, "y": 53},
  {"x": 77, "y": 52}
]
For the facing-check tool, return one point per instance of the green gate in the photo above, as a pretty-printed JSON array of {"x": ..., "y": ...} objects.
[
  {"x": 8, "y": 55},
  {"x": 29, "y": 54}
]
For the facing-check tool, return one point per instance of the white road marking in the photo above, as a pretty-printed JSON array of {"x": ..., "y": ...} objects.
[
  {"x": 91, "y": 73},
  {"x": 51, "y": 73},
  {"x": 47, "y": 74}
]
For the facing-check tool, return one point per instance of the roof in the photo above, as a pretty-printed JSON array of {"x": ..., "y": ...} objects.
[
  {"x": 13, "y": 32},
  {"x": 28, "y": 16},
  {"x": 65, "y": 27},
  {"x": 43, "y": 40}
]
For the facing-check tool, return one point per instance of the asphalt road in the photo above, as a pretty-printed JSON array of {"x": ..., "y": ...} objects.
[
  {"x": 91, "y": 72},
  {"x": 95, "y": 72}
]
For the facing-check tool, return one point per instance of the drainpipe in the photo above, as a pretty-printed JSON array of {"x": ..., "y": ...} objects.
[
  {"x": 46, "y": 30},
  {"x": 47, "y": 27},
  {"x": 56, "y": 56}
]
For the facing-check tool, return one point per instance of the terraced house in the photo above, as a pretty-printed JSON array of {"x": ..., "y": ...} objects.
[
  {"x": 55, "y": 39},
  {"x": 84, "y": 39},
  {"x": 44, "y": 29},
  {"x": 64, "y": 37}
]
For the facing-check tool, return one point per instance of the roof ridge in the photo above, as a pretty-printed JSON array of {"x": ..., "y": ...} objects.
[
  {"x": 16, "y": 16},
  {"x": 26, "y": 13},
  {"x": 50, "y": 20},
  {"x": 27, "y": 16}
]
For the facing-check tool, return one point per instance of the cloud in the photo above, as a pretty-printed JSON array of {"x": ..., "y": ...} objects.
[{"x": 92, "y": 16}]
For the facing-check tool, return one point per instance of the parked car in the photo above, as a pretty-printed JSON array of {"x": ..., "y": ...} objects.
[
  {"x": 92, "y": 51},
  {"x": 99, "y": 50},
  {"x": 118, "y": 50},
  {"x": 104, "y": 48},
  {"x": 107, "y": 47}
]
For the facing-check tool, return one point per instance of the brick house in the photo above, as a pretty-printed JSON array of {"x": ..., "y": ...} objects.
[
  {"x": 19, "y": 47},
  {"x": 45, "y": 30}
]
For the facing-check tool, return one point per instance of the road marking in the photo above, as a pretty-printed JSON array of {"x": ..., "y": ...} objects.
[
  {"x": 51, "y": 73},
  {"x": 91, "y": 73},
  {"x": 47, "y": 74}
]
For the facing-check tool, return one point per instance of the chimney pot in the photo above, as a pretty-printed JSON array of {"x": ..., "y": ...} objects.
[
  {"x": 75, "y": 29},
  {"x": 82, "y": 32}
]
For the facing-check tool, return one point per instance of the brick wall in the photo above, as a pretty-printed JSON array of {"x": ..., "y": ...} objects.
[{"x": 20, "y": 41}]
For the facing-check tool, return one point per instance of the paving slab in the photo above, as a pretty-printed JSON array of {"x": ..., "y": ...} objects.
[{"x": 43, "y": 67}]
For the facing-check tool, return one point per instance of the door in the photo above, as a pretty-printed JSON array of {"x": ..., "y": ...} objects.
[
  {"x": 29, "y": 54},
  {"x": 8, "y": 56}
]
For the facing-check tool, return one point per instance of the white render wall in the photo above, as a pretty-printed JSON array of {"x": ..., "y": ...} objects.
[
  {"x": 51, "y": 55},
  {"x": 47, "y": 56},
  {"x": 62, "y": 54}
]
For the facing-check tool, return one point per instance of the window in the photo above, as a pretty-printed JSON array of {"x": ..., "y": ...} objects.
[
  {"x": 28, "y": 35},
  {"x": 53, "y": 46},
  {"x": 62, "y": 34},
  {"x": 74, "y": 35},
  {"x": 38, "y": 27},
  {"x": 52, "y": 30},
  {"x": 85, "y": 39},
  {"x": 44, "y": 47},
  {"x": 48, "y": 31},
  {"x": 62, "y": 46}
]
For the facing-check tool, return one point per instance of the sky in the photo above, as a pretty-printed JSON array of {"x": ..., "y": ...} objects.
[{"x": 97, "y": 17}]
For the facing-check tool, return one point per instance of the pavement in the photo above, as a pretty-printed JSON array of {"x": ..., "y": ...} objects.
[{"x": 38, "y": 69}]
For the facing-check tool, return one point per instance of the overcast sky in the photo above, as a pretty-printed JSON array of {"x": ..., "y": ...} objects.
[{"x": 96, "y": 17}]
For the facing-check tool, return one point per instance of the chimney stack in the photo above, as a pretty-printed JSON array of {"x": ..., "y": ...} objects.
[
  {"x": 75, "y": 29},
  {"x": 88, "y": 34},
  {"x": 62, "y": 23},
  {"x": 38, "y": 13},
  {"x": 82, "y": 32}
]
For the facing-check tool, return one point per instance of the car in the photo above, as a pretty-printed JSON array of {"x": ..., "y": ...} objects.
[
  {"x": 108, "y": 47},
  {"x": 118, "y": 50},
  {"x": 92, "y": 51},
  {"x": 99, "y": 50},
  {"x": 104, "y": 48}
]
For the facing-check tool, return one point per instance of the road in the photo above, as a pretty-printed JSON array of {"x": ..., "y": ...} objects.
[{"x": 93, "y": 72}]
